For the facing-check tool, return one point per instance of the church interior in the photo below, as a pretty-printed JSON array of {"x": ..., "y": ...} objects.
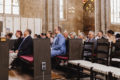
[{"x": 60, "y": 39}]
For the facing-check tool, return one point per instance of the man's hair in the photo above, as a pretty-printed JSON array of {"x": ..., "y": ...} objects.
[
  {"x": 101, "y": 31},
  {"x": 117, "y": 35},
  {"x": 29, "y": 31},
  {"x": 93, "y": 33},
  {"x": 82, "y": 34},
  {"x": 59, "y": 29}
]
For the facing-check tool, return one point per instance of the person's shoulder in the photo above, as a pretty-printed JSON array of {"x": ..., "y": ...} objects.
[{"x": 60, "y": 35}]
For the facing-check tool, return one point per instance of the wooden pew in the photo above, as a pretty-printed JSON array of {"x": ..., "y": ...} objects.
[
  {"x": 41, "y": 60},
  {"x": 4, "y": 50}
]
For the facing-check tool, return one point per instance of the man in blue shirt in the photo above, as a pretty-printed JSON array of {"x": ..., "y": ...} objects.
[{"x": 58, "y": 46}]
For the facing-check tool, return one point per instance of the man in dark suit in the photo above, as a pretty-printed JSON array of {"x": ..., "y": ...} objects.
[{"x": 25, "y": 48}]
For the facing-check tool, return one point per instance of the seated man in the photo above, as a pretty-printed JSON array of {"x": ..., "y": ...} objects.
[
  {"x": 25, "y": 48},
  {"x": 100, "y": 35},
  {"x": 58, "y": 46},
  {"x": 91, "y": 38}
]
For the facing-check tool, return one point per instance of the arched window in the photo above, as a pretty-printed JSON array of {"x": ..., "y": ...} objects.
[{"x": 115, "y": 11}]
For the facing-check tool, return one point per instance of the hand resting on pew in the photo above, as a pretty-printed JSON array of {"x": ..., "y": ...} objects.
[{"x": 11, "y": 51}]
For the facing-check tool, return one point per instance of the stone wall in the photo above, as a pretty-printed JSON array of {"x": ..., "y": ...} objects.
[
  {"x": 74, "y": 21},
  {"x": 31, "y": 8}
]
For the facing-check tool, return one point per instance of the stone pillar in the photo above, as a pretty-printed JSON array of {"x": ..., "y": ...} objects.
[
  {"x": 97, "y": 15},
  {"x": 56, "y": 13},
  {"x": 50, "y": 15},
  {"x": 44, "y": 18},
  {"x": 103, "y": 15},
  {"x": 107, "y": 14}
]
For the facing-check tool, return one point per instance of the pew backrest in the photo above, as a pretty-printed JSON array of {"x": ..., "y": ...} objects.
[
  {"x": 75, "y": 49},
  {"x": 116, "y": 50},
  {"x": 11, "y": 43},
  {"x": 42, "y": 56},
  {"x": 4, "y": 59},
  {"x": 102, "y": 52},
  {"x": 88, "y": 48}
]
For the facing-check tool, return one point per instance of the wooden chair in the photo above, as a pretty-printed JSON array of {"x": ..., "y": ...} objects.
[
  {"x": 115, "y": 54},
  {"x": 102, "y": 56},
  {"x": 79, "y": 65},
  {"x": 102, "y": 51},
  {"x": 90, "y": 50}
]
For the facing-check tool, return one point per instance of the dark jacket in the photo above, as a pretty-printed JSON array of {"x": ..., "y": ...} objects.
[
  {"x": 17, "y": 44},
  {"x": 26, "y": 47}
]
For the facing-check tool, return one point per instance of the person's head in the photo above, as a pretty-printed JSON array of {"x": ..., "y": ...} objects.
[
  {"x": 117, "y": 35},
  {"x": 72, "y": 35},
  {"x": 18, "y": 34},
  {"x": 65, "y": 34},
  {"x": 39, "y": 36},
  {"x": 57, "y": 30},
  {"x": 27, "y": 32},
  {"x": 43, "y": 35},
  {"x": 9, "y": 35},
  {"x": 35, "y": 36},
  {"x": 110, "y": 33},
  {"x": 100, "y": 34},
  {"x": 91, "y": 34},
  {"x": 81, "y": 35},
  {"x": 49, "y": 34}
]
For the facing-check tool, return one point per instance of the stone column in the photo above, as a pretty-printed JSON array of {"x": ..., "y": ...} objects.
[
  {"x": 108, "y": 14},
  {"x": 44, "y": 18},
  {"x": 103, "y": 15},
  {"x": 97, "y": 15},
  {"x": 50, "y": 15},
  {"x": 56, "y": 13}
]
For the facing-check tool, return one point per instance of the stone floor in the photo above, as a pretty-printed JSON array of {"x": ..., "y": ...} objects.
[{"x": 56, "y": 75}]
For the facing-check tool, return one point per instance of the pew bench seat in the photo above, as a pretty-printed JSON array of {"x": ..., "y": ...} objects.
[
  {"x": 115, "y": 59},
  {"x": 28, "y": 58},
  {"x": 81, "y": 63},
  {"x": 62, "y": 57},
  {"x": 100, "y": 68}
]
